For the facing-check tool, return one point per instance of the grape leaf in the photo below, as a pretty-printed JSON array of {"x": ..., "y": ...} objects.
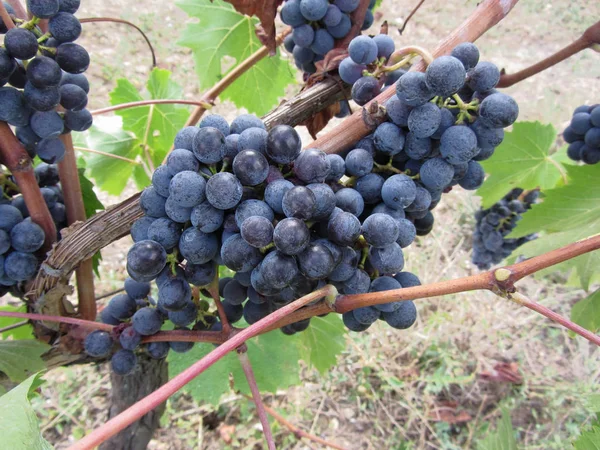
[
  {"x": 589, "y": 439},
  {"x": 266, "y": 11},
  {"x": 322, "y": 341},
  {"x": 502, "y": 439},
  {"x": 572, "y": 206},
  {"x": 522, "y": 160},
  {"x": 18, "y": 359},
  {"x": 22, "y": 332},
  {"x": 586, "y": 312},
  {"x": 18, "y": 421},
  {"x": 154, "y": 126},
  {"x": 91, "y": 201},
  {"x": 223, "y": 34},
  {"x": 274, "y": 360}
]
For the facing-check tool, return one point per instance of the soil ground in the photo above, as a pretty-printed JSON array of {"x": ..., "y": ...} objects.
[{"x": 389, "y": 390}]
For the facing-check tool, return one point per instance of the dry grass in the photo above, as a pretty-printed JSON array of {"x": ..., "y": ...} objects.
[{"x": 388, "y": 385}]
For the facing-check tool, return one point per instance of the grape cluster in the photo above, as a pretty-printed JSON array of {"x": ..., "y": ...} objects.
[
  {"x": 44, "y": 71},
  {"x": 317, "y": 24},
  {"x": 490, "y": 245},
  {"x": 583, "y": 134},
  {"x": 20, "y": 238}
]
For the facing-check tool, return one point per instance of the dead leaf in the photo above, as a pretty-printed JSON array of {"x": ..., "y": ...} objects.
[
  {"x": 320, "y": 120},
  {"x": 503, "y": 373},
  {"x": 448, "y": 412},
  {"x": 226, "y": 432},
  {"x": 266, "y": 11}
]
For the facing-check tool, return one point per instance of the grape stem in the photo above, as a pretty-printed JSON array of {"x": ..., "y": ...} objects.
[
  {"x": 588, "y": 39},
  {"x": 296, "y": 431},
  {"x": 125, "y": 22},
  {"x": 399, "y": 65},
  {"x": 256, "y": 398},
  {"x": 60, "y": 319},
  {"x": 411, "y": 51},
  {"x": 133, "y": 413},
  {"x": 13, "y": 326},
  {"x": 213, "y": 289}
]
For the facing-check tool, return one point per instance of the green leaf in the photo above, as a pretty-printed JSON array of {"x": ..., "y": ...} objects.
[
  {"x": 568, "y": 207},
  {"x": 274, "y": 360},
  {"x": 23, "y": 332},
  {"x": 586, "y": 312},
  {"x": 154, "y": 126},
  {"x": 19, "y": 359},
  {"x": 223, "y": 34},
  {"x": 593, "y": 403},
  {"x": 322, "y": 341},
  {"x": 111, "y": 174},
  {"x": 588, "y": 440},
  {"x": 18, "y": 421},
  {"x": 91, "y": 201},
  {"x": 522, "y": 160},
  {"x": 503, "y": 438}
]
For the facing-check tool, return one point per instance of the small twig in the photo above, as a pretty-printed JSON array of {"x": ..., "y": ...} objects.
[
  {"x": 298, "y": 432},
  {"x": 5, "y": 16},
  {"x": 108, "y": 155},
  {"x": 260, "y": 407},
  {"x": 60, "y": 319},
  {"x": 112, "y": 19},
  {"x": 133, "y": 413},
  {"x": 590, "y": 37},
  {"x": 13, "y": 326},
  {"x": 523, "y": 300},
  {"x": 213, "y": 289},
  {"x": 146, "y": 103},
  {"x": 412, "y": 13},
  {"x": 110, "y": 294},
  {"x": 69, "y": 180}
]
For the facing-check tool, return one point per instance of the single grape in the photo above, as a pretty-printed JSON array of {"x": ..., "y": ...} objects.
[
  {"x": 185, "y": 316},
  {"x": 250, "y": 166},
  {"x": 436, "y": 174},
  {"x": 403, "y": 317},
  {"x": 340, "y": 30},
  {"x": 323, "y": 42},
  {"x": 27, "y": 236},
  {"x": 64, "y": 27},
  {"x": 251, "y": 208},
  {"x": 98, "y": 344},
  {"x": 21, "y": 43},
  {"x": 474, "y": 177},
  {"x": 424, "y": 120},
  {"x": 389, "y": 138},
  {"x": 316, "y": 261},
  {"x": 498, "y": 110},
  {"x": 367, "y": 315},
  {"x": 350, "y": 72},
  {"x": 147, "y": 321},
  {"x": 291, "y": 15},
  {"x": 385, "y": 45},
  {"x": 207, "y": 218},
  {"x": 406, "y": 233},
  {"x": 467, "y": 53},
  {"x": 158, "y": 350},
  {"x": 146, "y": 258},
  {"x": 445, "y": 76},
  {"x": 303, "y": 35},
  {"x": 343, "y": 229},
  {"x": 458, "y": 144},
  {"x": 72, "y": 58},
  {"x": 291, "y": 236},
  {"x": 388, "y": 259},
  {"x": 312, "y": 166},
  {"x": 369, "y": 187},
  {"x": 238, "y": 255},
  {"x": 398, "y": 191},
  {"x": 350, "y": 200},
  {"x": 352, "y": 324},
  {"x": 299, "y": 202},
  {"x": 380, "y": 230},
  {"x": 365, "y": 89},
  {"x": 483, "y": 77},
  {"x": 363, "y": 50},
  {"x": 130, "y": 339},
  {"x": 413, "y": 89},
  {"x": 224, "y": 190}
]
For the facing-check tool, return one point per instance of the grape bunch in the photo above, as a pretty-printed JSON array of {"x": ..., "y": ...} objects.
[
  {"x": 363, "y": 67},
  {"x": 44, "y": 72},
  {"x": 316, "y": 25},
  {"x": 490, "y": 244},
  {"x": 583, "y": 134},
  {"x": 20, "y": 238}
]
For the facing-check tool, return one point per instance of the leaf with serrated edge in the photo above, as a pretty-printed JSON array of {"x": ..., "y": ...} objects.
[
  {"x": 502, "y": 439},
  {"x": 521, "y": 160},
  {"x": 322, "y": 341},
  {"x": 588, "y": 440},
  {"x": 19, "y": 426},
  {"x": 568, "y": 207},
  {"x": 18, "y": 359},
  {"x": 155, "y": 126},
  {"x": 586, "y": 312},
  {"x": 222, "y": 32},
  {"x": 274, "y": 359}
]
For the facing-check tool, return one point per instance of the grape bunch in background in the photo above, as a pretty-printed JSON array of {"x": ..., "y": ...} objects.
[
  {"x": 20, "y": 238},
  {"x": 583, "y": 134},
  {"x": 490, "y": 244},
  {"x": 44, "y": 71},
  {"x": 316, "y": 25}
]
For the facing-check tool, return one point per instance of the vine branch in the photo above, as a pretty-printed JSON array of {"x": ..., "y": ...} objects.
[
  {"x": 590, "y": 37},
  {"x": 71, "y": 187},
  {"x": 260, "y": 407},
  {"x": 125, "y": 22}
]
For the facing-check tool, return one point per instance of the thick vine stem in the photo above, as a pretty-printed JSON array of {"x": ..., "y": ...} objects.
[
  {"x": 69, "y": 180},
  {"x": 590, "y": 37},
  {"x": 260, "y": 407},
  {"x": 14, "y": 156},
  {"x": 150, "y": 402},
  {"x": 5, "y": 16},
  {"x": 125, "y": 22},
  {"x": 487, "y": 14},
  {"x": 60, "y": 319}
]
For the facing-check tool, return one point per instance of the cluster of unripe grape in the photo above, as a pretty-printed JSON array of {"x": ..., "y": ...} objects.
[
  {"x": 490, "y": 244},
  {"x": 44, "y": 72},
  {"x": 20, "y": 238}
]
